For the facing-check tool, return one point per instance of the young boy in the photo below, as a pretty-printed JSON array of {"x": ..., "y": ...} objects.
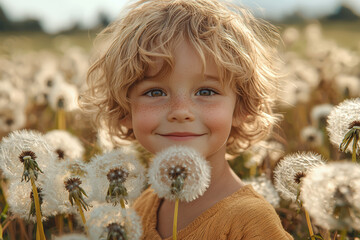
[{"x": 196, "y": 73}]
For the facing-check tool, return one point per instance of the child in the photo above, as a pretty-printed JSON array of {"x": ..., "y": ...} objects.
[{"x": 196, "y": 73}]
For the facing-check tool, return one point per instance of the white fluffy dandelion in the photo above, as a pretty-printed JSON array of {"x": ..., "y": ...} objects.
[
  {"x": 319, "y": 114},
  {"x": 21, "y": 201},
  {"x": 311, "y": 136},
  {"x": 264, "y": 187},
  {"x": 331, "y": 194},
  {"x": 341, "y": 119},
  {"x": 20, "y": 142},
  {"x": 54, "y": 185},
  {"x": 290, "y": 171},
  {"x": 107, "y": 142},
  {"x": 105, "y": 220},
  {"x": 263, "y": 149},
  {"x": 64, "y": 95},
  {"x": 12, "y": 118},
  {"x": 179, "y": 161},
  {"x": 65, "y": 144},
  {"x": 118, "y": 171}
]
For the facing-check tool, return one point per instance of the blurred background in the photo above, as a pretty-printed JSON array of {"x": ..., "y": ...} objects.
[{"x": 45, "y": 47}]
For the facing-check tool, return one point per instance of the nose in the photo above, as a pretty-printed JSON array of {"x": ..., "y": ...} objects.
[{"x": 181, "y": 110}]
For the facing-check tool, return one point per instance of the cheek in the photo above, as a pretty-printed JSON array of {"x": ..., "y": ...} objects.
[
  {"x": 144, "y": 118},
  {"x": 219, "y": 118}
]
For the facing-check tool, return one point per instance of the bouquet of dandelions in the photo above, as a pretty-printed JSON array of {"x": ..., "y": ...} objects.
[{"x": 179, "y": 174}]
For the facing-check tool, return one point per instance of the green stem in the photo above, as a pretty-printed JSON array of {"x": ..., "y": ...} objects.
[
  {"x": 81, "y": 214},
  {"x": 309, "y": 225},
  {"x": 175, "y": 218},
  {"x": 343, "y": 234},
  {"x": 122, "y": 202},
  {"x": 37, "y": 208},
  {"x": 355, "y": 140}
]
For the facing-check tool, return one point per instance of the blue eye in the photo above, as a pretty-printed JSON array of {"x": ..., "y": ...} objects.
[
  {"x": 205, "y": 92},
  {"x": 155, "y": 93}
]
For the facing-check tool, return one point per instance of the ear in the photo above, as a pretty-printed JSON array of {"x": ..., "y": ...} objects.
[{"x": 127, "y": 121}]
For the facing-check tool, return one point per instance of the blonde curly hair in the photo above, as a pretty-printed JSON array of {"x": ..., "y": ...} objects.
[{"x": 243, "y": 48}]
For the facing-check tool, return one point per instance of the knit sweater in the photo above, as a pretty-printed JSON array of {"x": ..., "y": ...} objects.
[{"x": 244, "y": 215}]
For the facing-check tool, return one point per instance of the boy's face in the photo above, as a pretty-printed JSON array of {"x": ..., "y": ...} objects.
[{"x": 184, "y": 107}]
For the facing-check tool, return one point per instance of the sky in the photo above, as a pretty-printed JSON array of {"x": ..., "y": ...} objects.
[{"x": 58, "y": 15}]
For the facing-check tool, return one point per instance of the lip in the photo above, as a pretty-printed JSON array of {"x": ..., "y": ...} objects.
[{"x": 181, "y": 136}]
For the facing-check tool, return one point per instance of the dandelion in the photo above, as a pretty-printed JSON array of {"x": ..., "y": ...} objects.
[
  {"x": 320, "y": 113},
  {"x": 63, "y": 96},
  {"x": 30, "y": 149},
  {"x": 54, "y": 186},
  {"x": 22, "y": 203},
  {"x": 11, "y": 118},
  {"x": 289, "y": 174},
  {"x": 179, "y": 173},
  {"x": 331, "y": 194},
  {"x": 311, "y": 136},
  {"x": 173, "y": 163},
  {"x": 264, "y": 187},
  {"x": 348, "y": 85},
  {"x": 65, "y": 144},
  {"x": 344, "y": 124},
  {"x": 107, "y": 222},
  {"x": 116, "y": 176},
  {"x": 76, "y": 195},
  {"x": 27, "y": 147},
  {"x": 286, "y": 173}
]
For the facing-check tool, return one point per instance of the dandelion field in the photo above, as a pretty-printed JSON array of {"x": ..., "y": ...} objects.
[{"x": 41, "y": 77}]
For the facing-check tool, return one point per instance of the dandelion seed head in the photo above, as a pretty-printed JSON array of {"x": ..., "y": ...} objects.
[
  {"x": 311, "y": 136},
  {"x": 175, "y": 161},
  {"x": 19, "y": 198},
  {"x": 72, "y": 184},
  {"x": 264, "y": 187},
  {"x": 24, "y": 142},
  {"x": 341, "y": 118},
  {"x": 117, "y": 174},
  {"x": 54, "y": 184},
  {"x": 319, "y": 114},
  {"x": 331, "y": 195},
  {"x": 66, "y": 144},
  {"x": 289, "y": 170},
  {"x": 63, "y": 95},
  {"x": 122, "y": 163},
  {"x": 101, "y": 216}
]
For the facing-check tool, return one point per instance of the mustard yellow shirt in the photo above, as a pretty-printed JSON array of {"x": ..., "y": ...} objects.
[{"x": 244, "y": 215}]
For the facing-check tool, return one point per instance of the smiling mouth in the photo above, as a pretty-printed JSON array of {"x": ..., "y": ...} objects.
[{"x": 181, "y": 135}]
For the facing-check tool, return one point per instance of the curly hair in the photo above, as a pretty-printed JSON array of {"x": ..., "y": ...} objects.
[{"x": 243, "y": 48}]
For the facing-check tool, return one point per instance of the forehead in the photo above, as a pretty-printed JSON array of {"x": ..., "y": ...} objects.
[{"x": 185, "y": 59}]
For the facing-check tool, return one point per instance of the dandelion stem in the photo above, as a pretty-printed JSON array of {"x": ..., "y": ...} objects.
[
  {"x": 253, "y": 170},
  {"x": 122, "y": 202},
  {"x": 343, "y": 234},
  {"x": 355, "y": 140},
  {"x": 175, "y": 218},
  {"x": 309, "y": 225},
  {"x": 70, "y": 223},
  {"x": 1, "y": 232},
  {"x": 37, "y": 233},
  {"x": 61, "y": 120},
  {"x": 81, "y": 214},
  {"x": 59, "y": 221},
  {"x": 37, "y": 208}
]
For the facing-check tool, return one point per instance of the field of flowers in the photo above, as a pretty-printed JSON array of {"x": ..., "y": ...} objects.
[{"x": 71, "y": 178}]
